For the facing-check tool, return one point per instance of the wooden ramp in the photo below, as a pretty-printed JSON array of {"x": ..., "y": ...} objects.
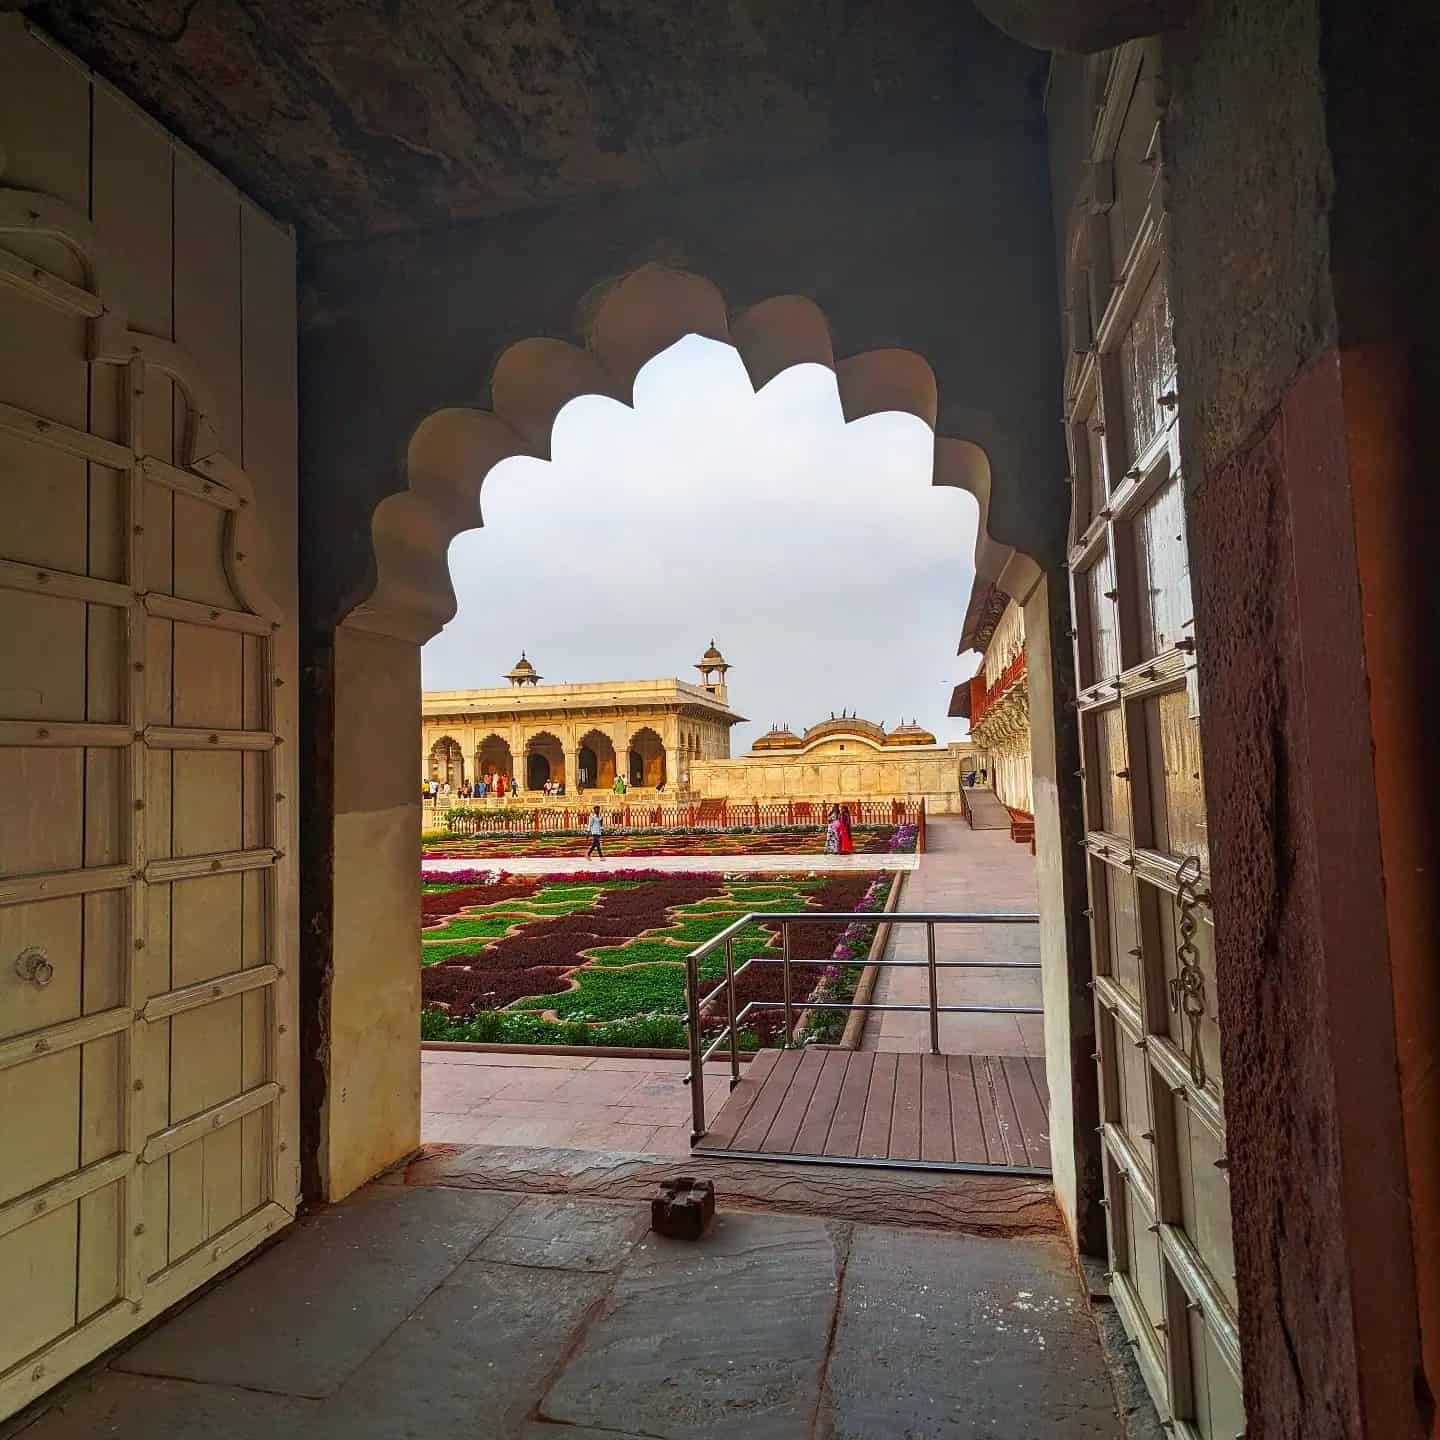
[{"x": 972, "y": 1112}]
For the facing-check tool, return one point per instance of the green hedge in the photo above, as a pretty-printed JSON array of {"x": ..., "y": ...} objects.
[{"x": 508, "y": 1027}]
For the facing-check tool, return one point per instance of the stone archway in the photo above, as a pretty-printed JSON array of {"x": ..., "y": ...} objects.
[
  {"x": 493, "y": 757},
  {"x": 544, "y": 760},
  {"x": 407, "y": 596},
  {"x": 647, "y": 759},
  {"x": 633, "y": 320},
  {"x": 596, "y": 761},
  {"x": 447, "y": 762}
]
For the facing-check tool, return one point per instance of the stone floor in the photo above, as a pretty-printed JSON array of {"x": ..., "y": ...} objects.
[
  {"x": 974, "y": 870},
  {"x": 417, "y": 1310}
]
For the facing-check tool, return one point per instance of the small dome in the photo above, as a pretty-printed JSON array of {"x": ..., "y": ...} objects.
[
  {"x": 846, "y": 723},
  {"x": 778, "y": 737},
  {"x": 910, "y": 732},
  {"x": 522, "y": 672},
  {"x": 712, "y": 660}
]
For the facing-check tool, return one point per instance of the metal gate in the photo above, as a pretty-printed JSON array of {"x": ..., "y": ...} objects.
[
  {"x": 1162, "y": 1095},
  {"x": 147, "y": 1055}
]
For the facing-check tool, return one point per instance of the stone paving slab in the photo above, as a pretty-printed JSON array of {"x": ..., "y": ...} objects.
[
  {"x": 554, "y": 1231},
  {"x": 721, "y": 1338},
  {"x": 303, "y": 1316},
  {"x": 952, "y": 1336},
  {"x": 138, "y": 1407},
  {"x": 469, "y": 1362}
]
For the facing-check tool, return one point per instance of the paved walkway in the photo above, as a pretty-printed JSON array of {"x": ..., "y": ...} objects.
[
  {"x": 642, "y": 1107},
  {"x": 989, "y": 813},
  {"x": 974, "y": 870},
  {"x": 437, "y": 1311},
  {"x": 750, "y": 864}
]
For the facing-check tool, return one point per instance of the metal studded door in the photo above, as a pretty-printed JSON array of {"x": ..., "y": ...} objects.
[
  {"x": 1162, "y": 1092},
  {"x": 147, "y": 1064}
]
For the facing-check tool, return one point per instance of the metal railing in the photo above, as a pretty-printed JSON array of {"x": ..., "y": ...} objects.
[{"x": 696, "y": 1005}]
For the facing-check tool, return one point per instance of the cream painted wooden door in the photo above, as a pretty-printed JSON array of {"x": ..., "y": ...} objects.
[
  {"x": 1162, "y": 1092},
  {"x": 147, "y": 1059}
]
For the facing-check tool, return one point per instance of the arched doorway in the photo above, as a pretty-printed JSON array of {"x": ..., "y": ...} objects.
[
  {"x": 493, "y": 758},
  {"x": 647, "y": 758},
  {"x": 544, "y": 760},
  {"x": 596, "y": 762},
  {"x": 447, "y": 762}
]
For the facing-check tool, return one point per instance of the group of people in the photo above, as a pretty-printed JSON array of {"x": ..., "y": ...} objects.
[
  {"x": 553, "y": 787},
  {"x": 493, "y": 784},
  {"x": 974, "y": 775},
  {"x": 838, "y": 839}
]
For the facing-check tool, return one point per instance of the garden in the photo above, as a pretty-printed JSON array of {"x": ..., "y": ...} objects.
[
  {"x": 647, "y": 842},
  {"x": 590, "y": 959}
]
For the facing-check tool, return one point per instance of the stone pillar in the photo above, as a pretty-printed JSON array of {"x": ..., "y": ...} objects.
[
  {"x": 360, "y": 986},
  {"x": 1065, "y": 963}
]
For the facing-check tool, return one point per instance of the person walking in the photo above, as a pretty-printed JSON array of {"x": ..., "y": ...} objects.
[
  {"x": 596, "y": 827},
  {"x": 832, "y": 831},
  {"x": 847, "y": 840}
]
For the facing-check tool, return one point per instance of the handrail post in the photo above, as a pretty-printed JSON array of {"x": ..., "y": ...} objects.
[
  {"x": 697, "y": 1066},
  {"x": 934, "y": 988},
  {"x": 730, "y": 1008},
  {"x": 785, "y": 972}
]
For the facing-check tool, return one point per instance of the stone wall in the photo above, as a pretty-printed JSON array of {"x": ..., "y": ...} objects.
[{"x": 823, "y": 773}]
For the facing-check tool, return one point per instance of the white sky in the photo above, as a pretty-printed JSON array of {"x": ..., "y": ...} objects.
[{"x": 816, "y": 554}]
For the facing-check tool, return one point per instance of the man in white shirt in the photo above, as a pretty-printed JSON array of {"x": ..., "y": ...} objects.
[{"x": 596, "y": 826}]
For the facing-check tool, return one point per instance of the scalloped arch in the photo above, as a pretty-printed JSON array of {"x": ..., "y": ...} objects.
[{"x": 627, "y": 323}]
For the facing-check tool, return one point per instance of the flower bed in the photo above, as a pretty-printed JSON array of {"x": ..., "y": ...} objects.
[
  {"x": 585, "y": 959},
  {"x": 644, "y": 842}
]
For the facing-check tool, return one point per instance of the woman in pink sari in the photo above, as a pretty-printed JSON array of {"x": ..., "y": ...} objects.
[{"x": 847, "y": 841}]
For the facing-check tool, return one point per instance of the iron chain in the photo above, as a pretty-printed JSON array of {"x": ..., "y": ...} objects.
[{"x": 1187, "y": 986}]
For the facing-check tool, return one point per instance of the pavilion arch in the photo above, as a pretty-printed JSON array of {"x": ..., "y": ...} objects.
[
  {"x": 493, "y": 757},
  {"x": 596, "y": 761},
  {"x": 447, "y": 762},
  {"x": 626, "y": 323},
  {"x": 544, "y": 760},
  {"x": 646, "y": 759}
]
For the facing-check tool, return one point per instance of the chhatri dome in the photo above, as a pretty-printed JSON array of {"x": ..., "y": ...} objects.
[
  {"x": 710, "y": 664},
  {"x": 523, "y": 672},
  {"x": 910, "y": 732},
  {"x": 778, "y": 737}
]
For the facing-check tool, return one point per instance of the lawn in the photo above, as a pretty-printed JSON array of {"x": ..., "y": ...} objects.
[{"x": 601, "y": 960}]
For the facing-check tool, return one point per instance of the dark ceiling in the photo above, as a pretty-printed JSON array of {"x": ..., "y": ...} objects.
[{"x": 390, "y": 115}]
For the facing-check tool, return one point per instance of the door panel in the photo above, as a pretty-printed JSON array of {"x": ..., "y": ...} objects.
[
  {"x": 1161, "y": 1089},
  {"x": 143, "y": 884}
]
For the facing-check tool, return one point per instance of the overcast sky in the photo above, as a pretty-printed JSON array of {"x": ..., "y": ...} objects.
[{"x": 816, "y": 554}]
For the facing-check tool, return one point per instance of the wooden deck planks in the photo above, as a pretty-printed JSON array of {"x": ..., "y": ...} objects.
[
  {"x": 935, "y": 1109},
  {"x": 879, "y": 1103},
  {"x": 965, "y": 1124},
  {"x": 732, "y": 1114},
  {"x": 781, "y": 1136},
  {"x": 844, "y": 1137},
  {"x": 819, "y": 1114},
  {"x": 1034, "y": 1125},
  {"x": 905, "y": 1114},
  {"x": 937, "y": 1139}
]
